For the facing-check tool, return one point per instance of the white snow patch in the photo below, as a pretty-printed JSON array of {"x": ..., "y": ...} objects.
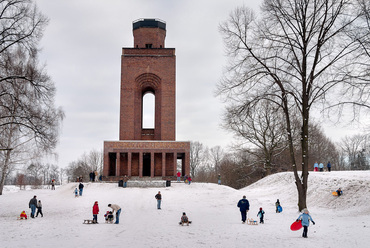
[{"x": 340, "y": 221}]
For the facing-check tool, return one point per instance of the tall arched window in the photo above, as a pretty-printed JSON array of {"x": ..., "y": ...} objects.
[{"x": 148, "y": 110}]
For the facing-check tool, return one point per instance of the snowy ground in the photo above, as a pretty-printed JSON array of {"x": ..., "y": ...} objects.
[{"x": 340, "y": 222}]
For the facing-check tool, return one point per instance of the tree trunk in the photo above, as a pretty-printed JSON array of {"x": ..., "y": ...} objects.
[{"x": 4, "y": 171}]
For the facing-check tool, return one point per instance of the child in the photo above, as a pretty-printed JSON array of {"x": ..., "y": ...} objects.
[
  {"x": 23, "y": 216},
  {"x": 39, "y": 209},
  {"x": 95, "y": 211},
  {"x": 184, "y": 219},
  {"x": 260, "y": 214},
  {"x": 108, "y": 217},
  {"x": 277, "y": 205},
  {"x": 76, "y": 192},
  {"x": 339, "y": 192},
  {"x": 306, "y": 218}
]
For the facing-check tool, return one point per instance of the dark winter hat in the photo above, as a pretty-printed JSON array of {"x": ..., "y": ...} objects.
[
  {"x": 109, "y": 205},
  {"x": 183, "y": 213},
  {"x": 260, "y": 208},
  {"x": 244, "y": 197}
]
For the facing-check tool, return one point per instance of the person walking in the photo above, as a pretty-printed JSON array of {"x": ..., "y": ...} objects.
[
  {"x": 159, "y": 199},
  {"x": 261, "y": 214},
  {"x": 219, "y": 179},
  {"x": 81, "y": 188},
  {"x": 33, "y": 204},
  {"x": 95, "y": 211},
  {"x": 306, "y": 218},
  {"x": 116, "y": 208},
  {"x": 243, "y": 206},
  {"x": 39, "y": 209}
]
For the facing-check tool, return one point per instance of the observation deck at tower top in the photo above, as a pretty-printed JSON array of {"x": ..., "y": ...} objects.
[{"x": 149, "y": 23}]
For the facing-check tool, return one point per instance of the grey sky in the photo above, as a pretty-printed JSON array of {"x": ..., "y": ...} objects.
[{"x": 82, "y": 50}]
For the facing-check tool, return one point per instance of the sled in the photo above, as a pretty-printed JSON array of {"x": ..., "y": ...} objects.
[
  {"x": 280, "y": 209},
  {"x": 335, "y": 193},
  {"x": 21, "y": 218},
  {"x": 252, "y": 222},
  {"x": 183, "y": 223},
  {"x": 296, "y": 225},
  {"x": 89, "y": 222}
]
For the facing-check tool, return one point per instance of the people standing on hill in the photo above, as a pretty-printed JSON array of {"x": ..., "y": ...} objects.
[
  {"x": 277, "y": 205},
  {"x": 159, "y": 199},
  {"x": 219, "y": 179},
  {"x": 81, "y": 188},
  {"x": 243, "y": 206},
  {"x": 39, "y": 209},
  {"x": 96, "y": 174},
  {"x": 328, "y": 166},
  {"x": 321, "y": 167},
  {"x": 116, "y": 208},
  {"x": 33, "y": 204},
  {"x": 53, "y": 184},
  {"x": 95, "y": 211},
  {"x": 315, "y": 166},
  {"x": 261, "y": 214},
  {"x": 306, "y": 218}
]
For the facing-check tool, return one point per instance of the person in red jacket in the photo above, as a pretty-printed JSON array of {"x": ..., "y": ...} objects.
[
  {"x": 95, "y": 212},
  {"x": 23, "y": 215}
]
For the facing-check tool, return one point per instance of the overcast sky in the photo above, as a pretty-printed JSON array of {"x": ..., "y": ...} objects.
[{"x": 82, "y": 48}]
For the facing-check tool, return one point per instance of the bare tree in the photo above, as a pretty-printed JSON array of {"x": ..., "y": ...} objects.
[
  {"x": 355, "y": 152},
  {"x": 196, "y": 156},
  {"x": 29, "y": 121},
  {"x": 301, "y": 56},
  {"x": 261, "y": 133}
]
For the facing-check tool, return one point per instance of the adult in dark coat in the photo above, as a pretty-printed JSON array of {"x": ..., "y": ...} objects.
[
  {"x": 33, "y": 204},
  {"x": 81, "y": 188},
  {"x": 243, "y": 205}
]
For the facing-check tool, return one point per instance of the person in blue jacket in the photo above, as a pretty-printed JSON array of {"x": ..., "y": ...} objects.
[
  {"x": 243, "y": 205},
  {"x": 306, "y": 218}
]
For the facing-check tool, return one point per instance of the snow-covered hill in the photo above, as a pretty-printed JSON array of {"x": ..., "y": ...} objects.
[{"x": 340, "y": 221}]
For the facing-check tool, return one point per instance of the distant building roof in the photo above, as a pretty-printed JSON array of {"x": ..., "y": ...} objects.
[{"x": 149, "y": 23}]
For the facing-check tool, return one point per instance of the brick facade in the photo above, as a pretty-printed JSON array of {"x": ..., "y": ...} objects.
[{"x": 148, "y": 67}]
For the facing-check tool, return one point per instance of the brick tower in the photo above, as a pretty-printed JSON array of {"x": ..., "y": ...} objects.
[{"x": 148, "y": 67}]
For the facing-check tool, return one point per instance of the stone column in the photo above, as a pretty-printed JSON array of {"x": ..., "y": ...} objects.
[
  {"x": 106, "y": 164},
  {"x": 163, "y": 164},
  {"x": 118, "y": 164},
  {"x": 151, "y": 164},
  {"x": 174, "y": 163},
  {"x": 187, "y": 163},
  {"x": 129, "y": 163},
  {"x": 140, "y": 164}
]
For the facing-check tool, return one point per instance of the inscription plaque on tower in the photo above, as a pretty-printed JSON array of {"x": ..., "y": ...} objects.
[{"x": 148, "y": 67}]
